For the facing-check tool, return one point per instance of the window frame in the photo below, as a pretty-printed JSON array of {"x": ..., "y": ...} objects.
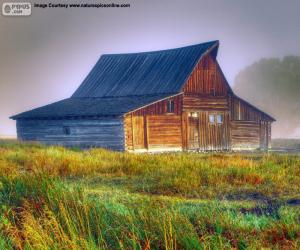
[
  {"x": 66, "y": 130},
  {"x": 222, "y": 119},
  {"x": 209, "y": 120}
]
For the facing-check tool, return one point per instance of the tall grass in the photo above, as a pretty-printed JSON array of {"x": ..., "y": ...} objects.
[
  {"x": 54, "y": 217},
  {"x": 39, "y": 209},
  {"x": 190, "y": 175}
]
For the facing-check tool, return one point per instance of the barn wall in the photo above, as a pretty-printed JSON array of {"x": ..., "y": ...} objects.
[
  {"x": 160, "y": 108},
  {"x": 106, "y": 132},
  {"x": 269, "y": 135},
  {"x": 203, "y": 135},
  {"x": 250, "y": 127},
  {"x": 194, "y": 103},
  {"x": 207, "y": 79},
  {"x": 265, "y": 135},
  {"x": 245, "y": 135},
  {"x": 164, "y": 131},
  {"x": 152, "y": 128},
  {"x": 241, "y": 110},
  {"x": 152, "y": 132},
  {"x": 128, "y": 125}
]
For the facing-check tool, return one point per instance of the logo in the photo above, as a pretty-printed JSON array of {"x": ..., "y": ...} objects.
[
  {"x": 16, "y": 9},
  {"x": 7, "y": 9}
]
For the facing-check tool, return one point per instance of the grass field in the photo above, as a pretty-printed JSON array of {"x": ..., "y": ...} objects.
[
  {"x": 57, "y": 198},
  {"x": 286, "y": 144}
]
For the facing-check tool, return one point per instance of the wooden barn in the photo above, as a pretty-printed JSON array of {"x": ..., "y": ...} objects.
[{"x": 167, "y": 100}]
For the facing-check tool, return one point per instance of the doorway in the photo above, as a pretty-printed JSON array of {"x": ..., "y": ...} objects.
[
  {"x": 193, "y": 131},
  {"x": 208, "y": 130},
  {"x": 138, "y": 131}
]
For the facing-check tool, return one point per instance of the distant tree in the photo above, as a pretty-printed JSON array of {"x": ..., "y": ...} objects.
[{"x": 274, "y": 86}]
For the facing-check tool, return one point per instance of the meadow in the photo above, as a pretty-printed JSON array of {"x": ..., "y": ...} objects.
[{"x": 58, "y": 198}]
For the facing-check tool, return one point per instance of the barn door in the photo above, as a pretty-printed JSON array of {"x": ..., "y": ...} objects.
[
  {"x": 193, "y": 131},
  {"x": 217, "y": 133},
  {"x": 208, "y": 130},
  {"x": 138, "y": 127}
]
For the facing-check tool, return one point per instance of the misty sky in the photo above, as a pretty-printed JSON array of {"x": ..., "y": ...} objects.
[{"x": 45, "y": 57}]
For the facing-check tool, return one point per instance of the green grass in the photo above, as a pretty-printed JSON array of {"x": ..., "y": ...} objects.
[{"x": 57, "y": 198}]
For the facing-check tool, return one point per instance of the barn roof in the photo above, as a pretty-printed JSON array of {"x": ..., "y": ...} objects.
[
  {"x": 120, "y": 83},
  {"x": 87, "y": 107},
  {"x": 156, "y": 72}
]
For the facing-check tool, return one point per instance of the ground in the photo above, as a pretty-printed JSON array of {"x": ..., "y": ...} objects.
[{"x": 57, "y": 198}]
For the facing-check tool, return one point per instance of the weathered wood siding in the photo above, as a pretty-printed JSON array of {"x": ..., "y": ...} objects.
[
  {"x": 152, "y": 132},
  {"x": 160, "y": 108},
  {"x": 84, "y": 133},
  {"x": 203, "y": 135},
  {"x": 241, "y": 110},
  {"x": 269, "y": 134},
  {"x": 194, "y": 103},
  {"x": 152, "y": 127},
  {"x": 250, "y": 127},
  {"x": 207, "y": 79},
  {"x": 245, "y": 135},
  {"x": 265, "y": 134},
  {"x": 128, "y": 130},
  {"x": 164, "y": 131}
]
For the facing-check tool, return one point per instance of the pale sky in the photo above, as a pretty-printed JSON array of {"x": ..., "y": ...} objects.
[{"x": 45, "y": 57}]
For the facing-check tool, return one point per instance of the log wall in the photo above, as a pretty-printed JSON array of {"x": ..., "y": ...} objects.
[
  {"x": 84, "y": 133},
  {"x": 245, "y": 135},
  {"x": 128, "y": 130},
  {"x": 194, "y": 103},
  {"x": 164, "y": 131},
  {"x": 154, "y": 126},
  {"x": 152, "y": 131}
]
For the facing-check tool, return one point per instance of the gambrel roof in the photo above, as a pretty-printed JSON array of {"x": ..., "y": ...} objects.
[{"x": 120, "y": 83}]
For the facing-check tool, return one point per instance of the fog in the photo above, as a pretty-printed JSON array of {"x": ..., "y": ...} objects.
[{"x": 45, "y": 57}]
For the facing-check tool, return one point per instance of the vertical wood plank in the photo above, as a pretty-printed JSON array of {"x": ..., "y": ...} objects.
[{"x": 146, "y": 132}]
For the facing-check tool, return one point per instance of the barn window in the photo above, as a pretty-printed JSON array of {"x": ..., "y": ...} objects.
[
  {"x": 170, "y": 106},
  {"x": 67, "y": 130},
  {"x": 193, "y": 114},
  {"x": 219, "y": 119},
  {"x": 211, "y": 118}
]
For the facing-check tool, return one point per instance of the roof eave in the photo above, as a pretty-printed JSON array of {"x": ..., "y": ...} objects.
[{"x": 64, "y": 117}]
